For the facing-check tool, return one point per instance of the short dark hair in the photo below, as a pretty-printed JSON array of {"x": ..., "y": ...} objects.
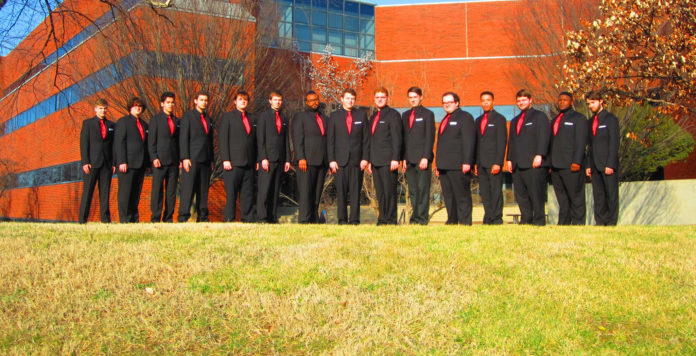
[
  {"x": 201, "y": 93},
  {"x": 165, "y": 95},
  {"x": 487, "y": 93},
  {"x": 243, "y": 94},
  {"x": 524, "y": 93},
  {"x": 275, "y": 93},
  {"x": 566, "y": 93},
  {"x": 416, "y": 90},
  {"x": 101, "y": 102},
  {"x": 594, "y": 95},
  {"x": 135, "y": 101},
  {"x": 311, "y": 92},
  {"x": 350, "y": 91},
  {"x": 454, "y": 95}
]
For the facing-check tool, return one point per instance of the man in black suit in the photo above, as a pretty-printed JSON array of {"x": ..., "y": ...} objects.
[
  {"x": 309, "y": 141},
  {"x": 384, "y": 154},
  {"x": 196, "y": 153},
  {"x": 237, "y": 145},
  {"x": 567, "y": 155},
  {"x": 163, "y": 145},
  {"x": 130, "y": 146},
  {"x": 96, "y": 158},
  {"x": 491, "y": 141},
  {"x": 347, "y": 140},
  {"x": 526, "y": 159},
  {"x": 274, "y": 154},
  {"x": 456, "y": 144},
  {"x": 603, "y": 160},
  {"x": 419, "y": 139}
]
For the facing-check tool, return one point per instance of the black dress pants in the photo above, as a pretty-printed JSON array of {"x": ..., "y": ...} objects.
[
  {"x": 385, "y": 189},
  {"x": 101, "y": 175},
  {"x": 605, "y": 191},
  {"x": 130, "y": 185},
  {"x": 530, "y": 186},
  {"x": 349, "y": 181},
  {"x": 418, "y": 181},
  {"x": 195, "y": 182},
  {"x": 239, "y": 183},
  {"x": 456, "y": 190},
  {"x": 491, "y": 189},
  {"x": 570, "y": 194},
  {"x": 269, "y": 190},
  {"x": 164, "y": 181},
  {"x": 310, "y": 185}
]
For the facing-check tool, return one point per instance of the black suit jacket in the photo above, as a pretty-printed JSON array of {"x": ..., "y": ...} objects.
[
  {"x": 162, "y": 144},
  {"x": 490, "y": 147},
  {"x": 194, "y": 143},
  {"x": 93, "y": 149},
  {"x": 344, "y": 148},
  {"x": 307, "y": 139},
  {"x": 533, "y": 139},
  {"x": 234, "y": 144},
  {"x": 570, "y": 142},
  {"x": 603, "y": 148},
  {"x": 129, "y": 146},
  {"x": 385, "y": 144},
  {"x": 273, "y": 146},
  {"x": 419, "y": 139},
  {"x": 456, "y": 145}
]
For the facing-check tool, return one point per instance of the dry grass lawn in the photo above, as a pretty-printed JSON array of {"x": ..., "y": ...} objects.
[{"x": 291, "y": 289}]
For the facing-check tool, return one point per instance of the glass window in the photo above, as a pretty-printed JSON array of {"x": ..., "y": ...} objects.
[
  {"x": 318, "y": 47},
  {"x": 336, "y": 5},
  {"x": 302, "y": 33},
  {"x": 301, "y": 16},
  {"x": 285, "y": 13},
  {"x": 319, "y": 18},
  {"x": 305, "y": 3},
  {"x": 350, "y": 23},
  {"x": 335, "y": 21},
  {"x": 352, "y": 52},
  {"x": 367, "y": 42},
  {"x": 350, "y": 39},
  {"x": 319, "y": 4},
  {"x": 367, "y": 26},
  {"x": 304, "y": 46},
  {"x": 336, "y": 39},
  {"x": 285, "y": 30},
  {"x": 367, "y": 10},
  {"x": 352, "y": 8},
  {"x": 319, "y": 35}
]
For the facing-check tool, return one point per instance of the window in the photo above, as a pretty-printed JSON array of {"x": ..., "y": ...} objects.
[
  {"x": 285, "y": 30},
  {"x": 319, "y": 4},
  {"x": 350, "y": 23},
  {"x": 319, "y": 18},
  {"x": 352, "y": 8},
  {"x": 301, "y": 16},
  {"x": 319, "y": 35},
  {"x": 336, "y": 5},
  {"x": 367, "y": 26},
  {"x": 336, "y": 39},
  {"x": 367, "y": 42},
  {"x": 350, "y": 39},
  {"x": 302, "y": 33},
  {"x": 335, "y": 21},
  {"x": 367, "y": 10}
]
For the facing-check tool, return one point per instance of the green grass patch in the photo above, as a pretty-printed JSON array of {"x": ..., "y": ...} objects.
[{"x": 296, "y": 289}]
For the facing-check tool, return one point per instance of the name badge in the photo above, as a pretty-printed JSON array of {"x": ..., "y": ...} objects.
[
  {"x": 358, "y": 122},
  {"x": 568, "y": 123},
  {"x": 419, "y": 119},
  {"x": 147, "y": 131},
  {"x": 602, "y": 126},
  {"x": 381, "y": 122},
  {"x": 491, "y": 125},
  {"x": 453, "y": 124},
  {"x": 110, "y": 129},
  {"x": 529, "y": 124}
]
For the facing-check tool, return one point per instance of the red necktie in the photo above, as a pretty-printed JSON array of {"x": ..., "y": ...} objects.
[
  {"x": 349, "y": 122},
  {"x": 140, "y": 128},
  {"x": 411, "y": 118},
  {"x": 102, "y": 126},
  {"x": 279, "y": 125},
  {"x": 374, "y": 122},
  {"x": 595, "y": 124},
  {"x": 205, "y": 124},
  {"x": 245, "y": 121},
  {"x": 171, "y": 124},
  {"x": 519, "y": 123},
  {"x": 484, "y": 123},
  {"x": 444, "y": 123},
  {"x": 320, "y": 124},
  {"x": 557, "y": 124}
]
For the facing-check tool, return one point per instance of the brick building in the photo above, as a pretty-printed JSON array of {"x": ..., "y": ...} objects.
[{"x": 467, "y": 47}]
